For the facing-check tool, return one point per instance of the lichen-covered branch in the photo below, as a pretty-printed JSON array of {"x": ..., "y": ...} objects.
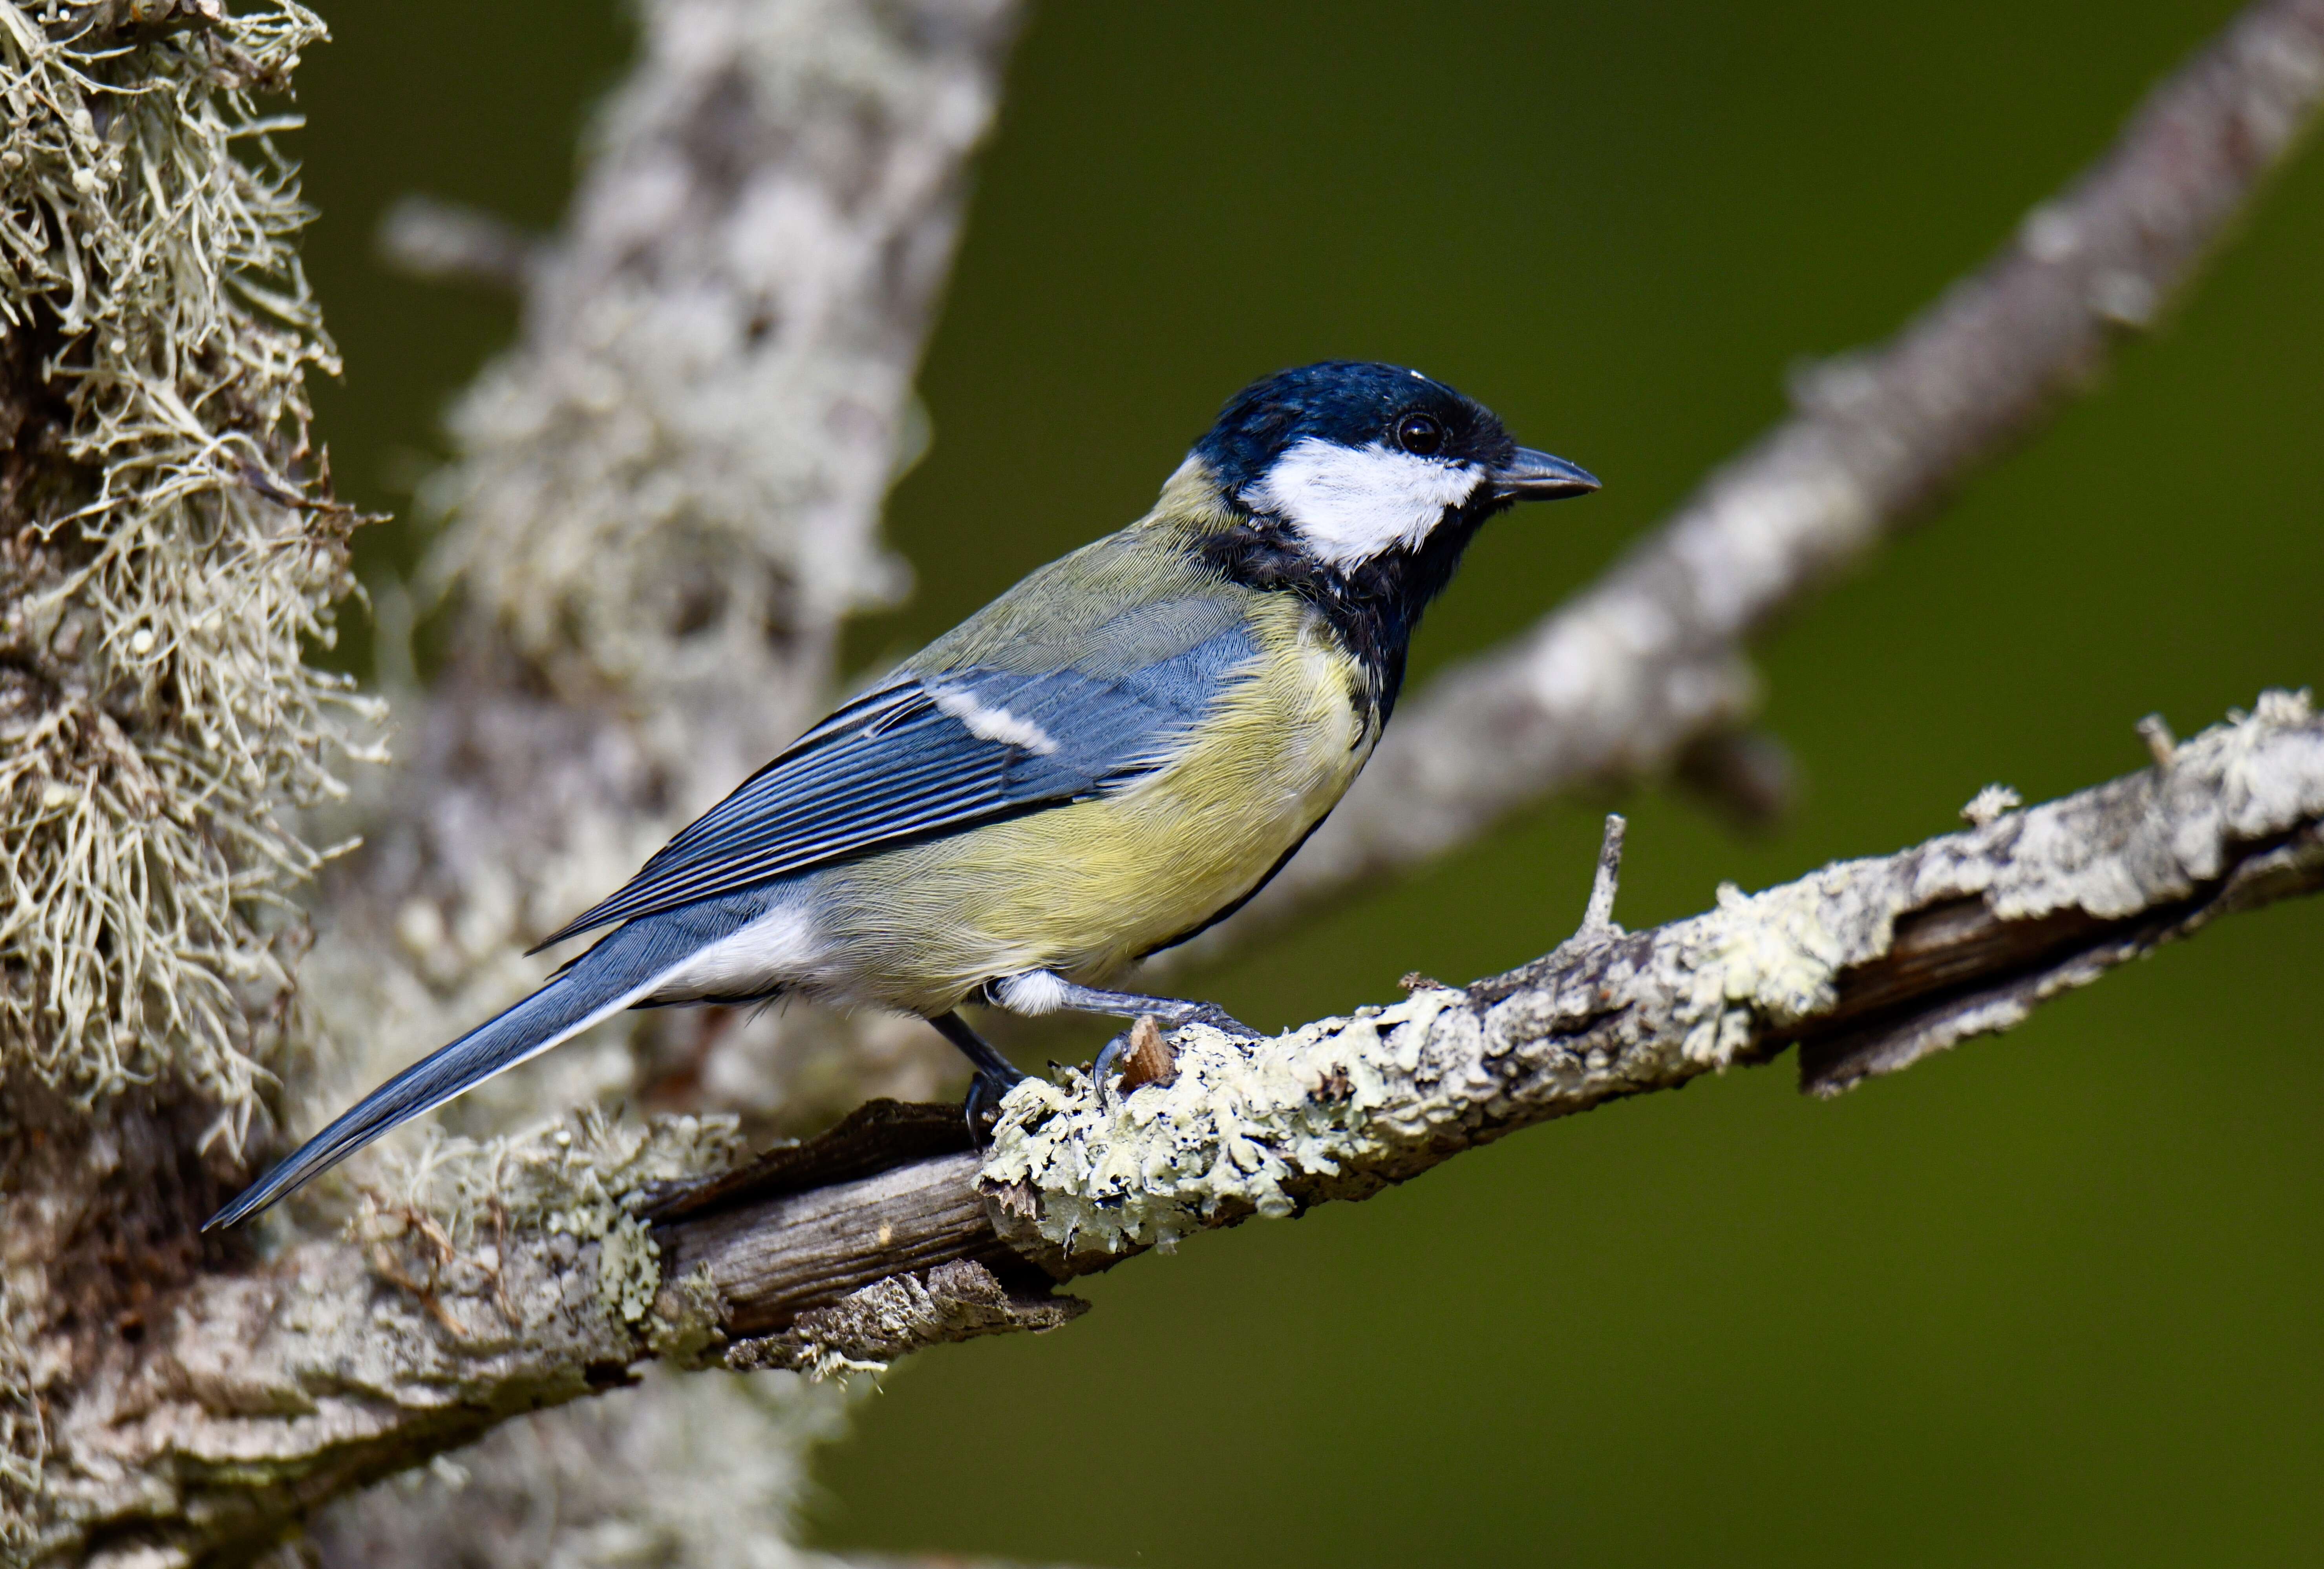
[
  {"x": 492, "y": 1278},
  {"x": 471, "y": 1292},
  {"x": 1867, "y": 966},
  {"x": 1646, "y": 670}
]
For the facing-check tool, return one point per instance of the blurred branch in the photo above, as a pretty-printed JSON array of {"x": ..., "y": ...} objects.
[
  {"x": 448, "y": 243},
  {"x": 1650, "y": 663},
  {"x": 665, "y": 503},
  {"x": 346, "y": 1364}
]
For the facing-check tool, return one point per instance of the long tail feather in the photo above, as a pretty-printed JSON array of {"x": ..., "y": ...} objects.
[{"x": 611, "y": 977}]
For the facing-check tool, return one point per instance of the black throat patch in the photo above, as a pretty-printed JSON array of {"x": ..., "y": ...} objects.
[{"x": 1374, "y": 606}]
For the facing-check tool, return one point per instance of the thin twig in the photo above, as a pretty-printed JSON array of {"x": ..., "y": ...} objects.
[{"x": 1597, "y": 920}]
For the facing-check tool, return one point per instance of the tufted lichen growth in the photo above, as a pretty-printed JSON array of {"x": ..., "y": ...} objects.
[
  {"x": 24, "y": 1429},
  {"x": 167, "y": 546}
]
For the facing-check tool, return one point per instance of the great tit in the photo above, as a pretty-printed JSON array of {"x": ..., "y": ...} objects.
[{"x": 1109, "y": 757}]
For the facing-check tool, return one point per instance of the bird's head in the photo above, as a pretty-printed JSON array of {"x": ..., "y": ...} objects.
[{"x": 1367, "y": 468}]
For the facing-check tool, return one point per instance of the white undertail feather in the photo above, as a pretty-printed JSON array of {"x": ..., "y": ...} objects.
[
  {"x": 1035, "y": 992},
  {"x": 777, "y": 948}
]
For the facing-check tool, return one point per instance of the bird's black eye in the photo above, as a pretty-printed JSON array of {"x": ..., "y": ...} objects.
[{"x": 1420, "y": 434}]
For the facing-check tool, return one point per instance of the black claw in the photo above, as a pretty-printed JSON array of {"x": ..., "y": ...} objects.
[
  {"x": 1108, "y": 1059},
  {"x": 982, "y": 1107}
]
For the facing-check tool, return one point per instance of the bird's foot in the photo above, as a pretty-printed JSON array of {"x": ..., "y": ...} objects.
[
  {"x": 982, "y": 1106},
  {"x": 1218, "y": 1019},
  {"x": 996, "y": 1076},
  {"x": 1119, "y": 1052},
  {"x": 1043, "y": 991},
  {"x": 1109, "y": 1058}
]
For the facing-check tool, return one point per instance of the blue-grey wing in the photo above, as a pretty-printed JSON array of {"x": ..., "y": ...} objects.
[{"x": 931, "y": 754}]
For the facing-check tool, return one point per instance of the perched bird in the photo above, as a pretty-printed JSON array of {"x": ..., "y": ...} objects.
[{"x": 1110, "y": 756}]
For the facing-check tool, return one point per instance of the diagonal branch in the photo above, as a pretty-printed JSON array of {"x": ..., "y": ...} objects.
[
  {"x": 525, "y": 1272},
  {"x": 1650, "y": 663},
  {"x": 1867, "y": 966}
]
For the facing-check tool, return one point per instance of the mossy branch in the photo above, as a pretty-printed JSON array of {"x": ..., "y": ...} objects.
[
  {"x": 501, "y": 1277},
  {"x": 170, "y": 547}
]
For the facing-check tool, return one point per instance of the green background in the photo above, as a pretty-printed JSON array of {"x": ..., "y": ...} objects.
[{"x": 2050, "y": 1298}]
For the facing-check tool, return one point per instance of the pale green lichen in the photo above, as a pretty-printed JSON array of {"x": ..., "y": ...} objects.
[
  {"x": 169, "y": 545},
  {"x": 578, "y": 1176},
  {"x": 687, "y": 1324},
  {"x": 1233, "y": 1132},
  {"x": 1766, "y": 957}
]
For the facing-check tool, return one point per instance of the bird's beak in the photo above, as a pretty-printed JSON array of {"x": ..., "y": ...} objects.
[{"x": 1535, "y": 476}]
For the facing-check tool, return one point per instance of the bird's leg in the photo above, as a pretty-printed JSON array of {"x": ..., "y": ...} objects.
[
  {"x": 1045, "y": 991},
  {"x": 995, "y": 1074}
]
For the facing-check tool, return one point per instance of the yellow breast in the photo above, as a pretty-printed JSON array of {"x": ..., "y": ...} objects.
[{"x": 1082, "y": 889}]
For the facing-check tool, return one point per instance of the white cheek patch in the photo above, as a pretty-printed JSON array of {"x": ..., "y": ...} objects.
[
  {"x": 1351, "y": 503},
  {"x": 993, "y": 724}
]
